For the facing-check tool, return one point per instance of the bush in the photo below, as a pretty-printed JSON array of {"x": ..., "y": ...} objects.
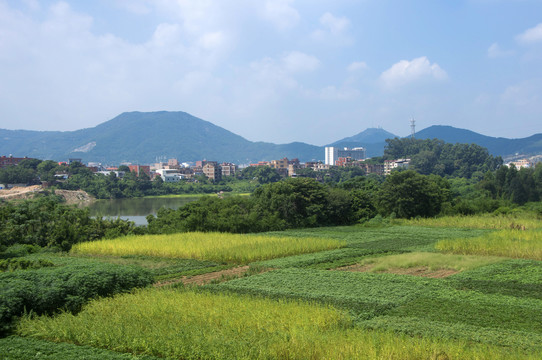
[{"x": 68, "y": 287}]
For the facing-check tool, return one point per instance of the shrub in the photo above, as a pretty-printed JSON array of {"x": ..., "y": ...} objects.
[{"x": 49, "y": 289}]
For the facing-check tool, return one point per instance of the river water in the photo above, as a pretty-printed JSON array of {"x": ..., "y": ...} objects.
[{"x": 136, "y": 209}]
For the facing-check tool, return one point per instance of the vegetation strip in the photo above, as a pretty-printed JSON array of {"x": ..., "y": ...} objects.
[
  {"x": 510, "y": 243},
  {"x": 199, "y": 325},
  {"x": 227, "y": 248}
]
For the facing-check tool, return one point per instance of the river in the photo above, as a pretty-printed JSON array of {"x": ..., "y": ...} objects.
[{"x": 136, "y": 209}]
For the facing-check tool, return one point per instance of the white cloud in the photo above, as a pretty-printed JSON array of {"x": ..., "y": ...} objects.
[
  {"x": 530, "y": 36},
  {"x": 336, "y": 25},
  {"x": 333, "y": 93},
  {"x": 297, "y": 61},
  {"x": 281, "y": 13},
  {"x": 333, "y": 30},
  {"x": 495, "y": 51},
  {"x": 527, "y": 94},
  {"x": 356, "y": 66},
  {"x": 405, "y": 72}
]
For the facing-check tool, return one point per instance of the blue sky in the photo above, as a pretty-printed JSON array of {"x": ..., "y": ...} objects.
[{"x": 275, "y": 70}]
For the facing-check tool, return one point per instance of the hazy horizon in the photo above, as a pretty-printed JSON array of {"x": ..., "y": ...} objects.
[{"x": 277, "y": 70}]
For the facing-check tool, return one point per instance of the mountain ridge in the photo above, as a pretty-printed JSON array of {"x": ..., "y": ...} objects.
[{"x": 145, "y": 137}]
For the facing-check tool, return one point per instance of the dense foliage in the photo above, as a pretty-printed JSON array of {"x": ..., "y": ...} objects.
[
  {"x": 47, "y": 222},
  {"x": 49, "y": 289},
  {"x": 440, "y": 158},
  {"x": 304, "y": 202}
]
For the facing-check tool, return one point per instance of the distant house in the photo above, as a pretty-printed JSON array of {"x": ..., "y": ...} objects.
[
  {"x": 170, "y": 175},
  {"x": 212, "y": 170},
  {"x": 390, "y": 165},
  {"x": 10, "y": 160}
]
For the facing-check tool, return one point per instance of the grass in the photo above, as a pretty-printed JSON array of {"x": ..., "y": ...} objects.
[
  {"x": 219, "y": 247},
  {"x": 509, "y": 243},
  {"x": 432, "y": 261},
  {"x": 455, "y": 306},
  {"x": 199, "y": 325},
  {"x": 484, "y": 221},
  {"x": 19, "y": 348}
]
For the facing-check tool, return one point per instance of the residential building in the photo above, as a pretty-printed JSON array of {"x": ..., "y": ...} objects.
[
  {"x": 10, "y": 160},
  {"x": 170, "y": 175},
  {"x": 228, "y": 169},
  {"x": 522, "y": 163},
  {"x": 390, "y": 165},
  {"x": 140, "y": 168},
  {"x": 332, "y": 154},
  {"x": 212, "y": 170}
]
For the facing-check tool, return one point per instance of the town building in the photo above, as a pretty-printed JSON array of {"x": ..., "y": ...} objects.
[
  {"x": 140, "y": 169},
  {"x": 170, "y": 175},
  {"x": 390, "y": 165},
  {"x": 519, "y": 164},
  {"x": 10, "y": 160},
  {"x": 332, "y": 154},
  {"x": 212, "y": 170},
  {"x": 228, "y": 169}
]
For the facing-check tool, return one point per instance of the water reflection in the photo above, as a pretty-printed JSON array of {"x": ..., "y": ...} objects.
[{"x": 136, "y": 209}]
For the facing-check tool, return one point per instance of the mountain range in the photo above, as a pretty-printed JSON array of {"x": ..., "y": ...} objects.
[{"x": 145, "y": 137}]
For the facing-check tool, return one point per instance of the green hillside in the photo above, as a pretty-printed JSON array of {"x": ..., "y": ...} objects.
[{"x": 139, "y": 137}]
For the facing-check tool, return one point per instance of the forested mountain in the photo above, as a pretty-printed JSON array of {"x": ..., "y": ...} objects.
[
  {"x": 143, "y": 137},
  {"x": 139, "y": 137},
  {"x": 496, "y": 146}
]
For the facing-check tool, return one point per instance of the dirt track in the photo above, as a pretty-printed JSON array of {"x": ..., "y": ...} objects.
[
  {"x": 208, "y": 277},
  {"x": 414, "y": 271}
]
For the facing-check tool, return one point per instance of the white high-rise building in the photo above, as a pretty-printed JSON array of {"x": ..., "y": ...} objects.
[{"x": 334, "y": 153}]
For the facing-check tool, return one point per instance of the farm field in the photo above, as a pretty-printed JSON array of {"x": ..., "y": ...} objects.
[
  {"x": 221, "y": 247},
  {"x": 384, "y": 292}
]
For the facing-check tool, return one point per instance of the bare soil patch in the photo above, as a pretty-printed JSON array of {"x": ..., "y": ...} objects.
[
  {"x": 207, "y": 278},
  {"x": 28, "y": 192},
  {"x": 422, "y": 271}
]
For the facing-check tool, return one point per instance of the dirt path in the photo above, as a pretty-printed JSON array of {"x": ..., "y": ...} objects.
[
  {"x": 207, "y": 278},
  {"x": 422, "y": 271}
]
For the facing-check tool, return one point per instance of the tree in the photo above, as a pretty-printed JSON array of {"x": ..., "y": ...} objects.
[{"x": 409, "y": 194}]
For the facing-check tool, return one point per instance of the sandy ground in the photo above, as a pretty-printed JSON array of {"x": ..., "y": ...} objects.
[
  {"x": 414, "y": 271},
  {"x": 208, "y": 277},
  {"x": 27, "y": 192}
]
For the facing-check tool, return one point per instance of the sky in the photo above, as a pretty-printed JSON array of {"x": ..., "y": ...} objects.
[{"x": 279, "y": 71}]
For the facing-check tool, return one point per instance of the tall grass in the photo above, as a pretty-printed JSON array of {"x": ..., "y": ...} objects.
[
  {"x": 192, "y": 325},
  {"x": 220, "y": 247},
  {"x": 508, "y": 243},
  {"x": 484, "y": 221},
  {"x": 433, "y": 261}
]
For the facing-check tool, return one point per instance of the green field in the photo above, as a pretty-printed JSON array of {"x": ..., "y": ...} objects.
[
  {"x": 219, "y": 247},
  {"x": 348, "y": 301}
]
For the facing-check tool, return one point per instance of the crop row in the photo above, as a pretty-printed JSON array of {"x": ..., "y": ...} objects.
[
  {"x": 432, "y": 301},
  {"x": 67, "y": 287},
  {"x": 200, "y": 325},
  {"x": 219, "y": 247},
  {"x": 19, "y": 348},
  {"x": 510, "y": 243}
]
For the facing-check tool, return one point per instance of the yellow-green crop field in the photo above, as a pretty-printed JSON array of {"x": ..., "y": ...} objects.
[
  {"x": 510, "y": 243},
  {"x": 432, "y": 261},
  {"x": 190, "y": 325},
  {"x": 487, "y": 221},
  {"x": 220, "y": 247}
]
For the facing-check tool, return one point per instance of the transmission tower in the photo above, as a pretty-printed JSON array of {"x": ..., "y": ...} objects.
[{"x": 412, "y": 128}]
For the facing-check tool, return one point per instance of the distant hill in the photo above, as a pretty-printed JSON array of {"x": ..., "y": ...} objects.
[
  {"x": 142, "y": 137},
  {"x": 496, "y": 146},
  {"x": 368, "y": 136},
  {"x": 372, "y": 139}
]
